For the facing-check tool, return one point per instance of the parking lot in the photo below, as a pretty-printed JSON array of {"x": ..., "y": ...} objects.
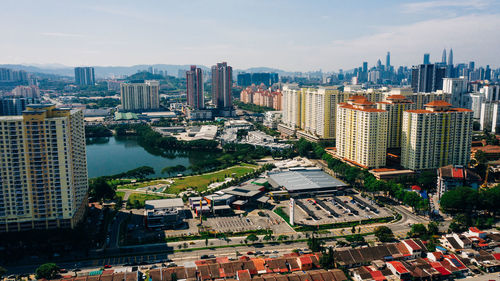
[
  {"x": 237, "y": 223},
  {"x": 333, "y": 209}
]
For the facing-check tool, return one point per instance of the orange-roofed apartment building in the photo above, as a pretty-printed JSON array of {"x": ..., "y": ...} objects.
[
  {"x": 436, "y": 136},
  {"x": 362, "y": 133},
  {"x": 395, "y": 105}
]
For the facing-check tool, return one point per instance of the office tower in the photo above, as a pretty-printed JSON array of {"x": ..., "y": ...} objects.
[
  {"x": 457, "y": 88},
  {"x": 361, "y": 133},
  {"x": 138, "y": 96},
  {"x": 194, "y": 87},
  {"x": 450, "y": 57},
  {"x": 487, "y": 72},
  {"x": 395, "y": 105},
  {"x": 427, "y": 78},
  {"x": 388, "y": 61},
  {"x": 43, "y": 169},
  {"x": 472, "y": 65},
  {"x": 84, "y": 76},
  {"x": 443, "y": 57},
  {"x": 490, "y": 117},
  {"x": 427, "y": 58},
  {"x": 244, "y": 79},
  {"x": 10, "y": 106},
  {"x": 436, "y": 136},
  {"x": 222, "y": 81}
]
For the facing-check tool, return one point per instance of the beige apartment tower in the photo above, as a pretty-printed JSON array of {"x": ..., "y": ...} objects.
[
  {"x": 395, "y": 105},
  {"x": 361, "y": 133},
  {"x": 43, "y": 169},
  {"x": 436, "y": 136}
]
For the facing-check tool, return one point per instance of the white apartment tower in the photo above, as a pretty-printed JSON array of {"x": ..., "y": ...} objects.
[
  {"x": 141, "y": 96},
  {"x": 361, "y": 133},
  {"x": 43, "y": 169},
  {"x": 436, "y": 136}
]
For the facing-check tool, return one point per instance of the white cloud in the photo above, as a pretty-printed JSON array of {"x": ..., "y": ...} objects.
[{"x": 429, "y": 5}]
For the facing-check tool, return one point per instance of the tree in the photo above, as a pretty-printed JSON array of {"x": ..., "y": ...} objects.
[
  {"x": 384, "y": 234},
  {"x": 99, "y": 189},
  {"x": 3, "y": 271},
  {"x": 418, "y": 230},
  {"x": 47, "y": 271},
  {"x": 327, "y": 260},
  {"x": 252, "y": 238},
  {"x": 315, "y": 244},
  {"x": 353, "y": 229},
  {"x": 206, "y": 241},
  {"x": 459, "y": 200},
  {"x": 433, "y": 228}
]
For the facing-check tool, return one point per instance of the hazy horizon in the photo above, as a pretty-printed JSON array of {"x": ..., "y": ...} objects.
[{"x": 287, "y": 35}]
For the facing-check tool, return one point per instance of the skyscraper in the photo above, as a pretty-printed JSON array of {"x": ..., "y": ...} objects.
[
  {"x": 388, "y": 61},
  {"x": 43, "y": 169},
  {"x": 443, "y": 57},
  {"x": 194, "y": 87},
  {"x": 14, "y": 105},
  {"x": 427, "y": 78},
  {"x": 427, "y": 58},
  {"x": 361, "y": 133},
  {"x": 137, "y": 96},
  {"x": 84, "y": 76},
  {"x": 436, "y": 136},
  {"x": 457, "y": 88},
  {"x": 222, "y": 81},
  {"x": 450, "y": 57}
]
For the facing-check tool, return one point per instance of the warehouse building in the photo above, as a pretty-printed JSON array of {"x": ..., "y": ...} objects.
[{"x": 307, "y": 182}]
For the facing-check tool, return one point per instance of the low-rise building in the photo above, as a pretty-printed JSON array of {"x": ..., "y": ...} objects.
[
  {"x": 453, "y": 176},
  {"x": 164, "y": 213}
]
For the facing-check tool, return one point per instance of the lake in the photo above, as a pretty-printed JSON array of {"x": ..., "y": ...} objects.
[{"x": 113, "y": 155}]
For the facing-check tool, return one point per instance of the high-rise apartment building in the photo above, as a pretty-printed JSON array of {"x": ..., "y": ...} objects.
[
  {"x": 318, "y": 110},
  {"x": 43, "y": 169},
  {"x": 395, "y": 105},
  {"x": 436, "y": 136},
  {"x": 222, "y": 82},
  {"x": 138, "y": 96},
  {"x": 84, "y": 76},
  {"x": 292, "y": 106},
  {"x": 361, "y": 133},
  {"x": 194, "y": 88},
  {"x": 14, "y": 105},
  {"x": 427, "y": 78},
  {"x": 457, "y": 88},
  {"x": 490, "y": 116}
]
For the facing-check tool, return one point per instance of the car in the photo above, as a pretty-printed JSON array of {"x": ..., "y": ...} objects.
[
  {"x": 63, "y": 270},
  {"x": 107, "y": 266},
  {"x": 212, "y": 256},
  {"x": 168, "y": 260},
  {"x": 204, "y": 257},
  {"x": 267, "y": 252},
  {"x": 275, "y": 252},
  {"x": 76, "y": 270},
  {"x": 250, "y": 253}
]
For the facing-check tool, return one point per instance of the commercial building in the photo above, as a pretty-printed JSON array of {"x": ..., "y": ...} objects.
[
  {"x": 272, "y": 119},
  {"x": 222, "y": 82},
  {"x": 164, "y": 213},
  {"x": 436, "y": 136},
  {"x": 306, "y": 182},
  {"x": 43, "y": 169},
  {"x": 84, "y": 76},
  {"x": 194, "y": 88},
  {"x": 427, "y": 78},
  {"x": 362, "y": 133},
  {"x": 140, "y": 96},
  {"x": 453, "y": 176},
  {"x": 395, "y": 105}
]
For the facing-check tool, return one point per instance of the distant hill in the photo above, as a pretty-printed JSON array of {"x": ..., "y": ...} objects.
[{"x": 110, "y": 71}]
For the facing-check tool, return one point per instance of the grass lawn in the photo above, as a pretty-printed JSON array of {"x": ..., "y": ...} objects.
[
  {"x": 200, "y": 182},
  {"x": 120, "y": 194},
  {"x": 143, "y": 197},
  {"x": 141, "y": 184}
]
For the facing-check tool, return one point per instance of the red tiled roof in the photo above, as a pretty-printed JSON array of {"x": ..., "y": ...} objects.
[
  {"x": 457, "y": 173},
  {"x": 377, "y": 275},
  {"x": 412, "y": 245},
  {"x": 443, "y": 271},
  {"x": 416, "y": 187},
  {"x": 496, "y": 256},
  {"x": 305, "y": 260},
  {"x": 438, "y": 103},
  {"x": 399, "y": 267},
  {"x": 396, "y": 97}
]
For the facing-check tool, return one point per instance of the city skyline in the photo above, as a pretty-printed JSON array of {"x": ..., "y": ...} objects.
[{"x": 276, "y": 40}]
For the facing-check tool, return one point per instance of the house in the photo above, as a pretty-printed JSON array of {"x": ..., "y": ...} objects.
[
  {"x": 453, "y": 176},
  {"x": 474, "y": 231},
  {"x": 398, "y": 269}
]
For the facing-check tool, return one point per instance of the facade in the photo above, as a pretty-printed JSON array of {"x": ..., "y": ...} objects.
[
  {"x": 84, "y": 76},
  {"x": 291, "y": 105},
  {"x": 362, "y": 133},
  {"x": 436, "y": 136},
  {"x": 222, "y": 82},
  {"x": 194, "y": 88},
  {"x": 457, "y": 88},
  {"x": 26, "y": 92},
  {"x": 395, "y": 105},
  {"x": 140, "y": 96},
  {"x": 490, "y": 116},
  {"x": 262, "y": 97},
  {"x": 427, "y": 78},
  {"x": 452, "y": 176},
  {"x": 43, "y": 169}
]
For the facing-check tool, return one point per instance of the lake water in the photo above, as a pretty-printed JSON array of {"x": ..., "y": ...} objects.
[{"x": 113, "y": 155}]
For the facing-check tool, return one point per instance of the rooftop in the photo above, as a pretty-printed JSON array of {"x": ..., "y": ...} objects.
[
  {"x": 164, "y": 203},
  {"x": 305, "y": 179}
]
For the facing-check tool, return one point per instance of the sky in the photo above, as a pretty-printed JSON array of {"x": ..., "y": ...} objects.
[{"x": 290, "y": 35}]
